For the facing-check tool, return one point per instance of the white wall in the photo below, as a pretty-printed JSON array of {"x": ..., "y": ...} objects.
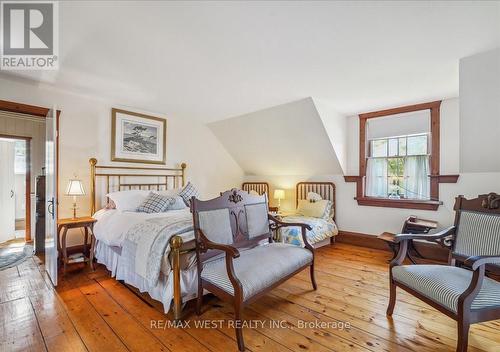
[
  {"x": 284, "y": 139},
  {"x": 335, "y": 125},
  {"x": 85, "y": 130},
  {"x": 480, "y": 112}
]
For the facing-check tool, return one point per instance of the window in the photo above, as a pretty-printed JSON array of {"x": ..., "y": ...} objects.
[
  {"x": 20, "y": 157},
  {"x": 398, "y": 167},
  {"x": 399, "y": 158}
]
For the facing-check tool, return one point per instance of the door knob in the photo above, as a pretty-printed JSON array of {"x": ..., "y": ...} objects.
[{"x": 50, "y": 207}]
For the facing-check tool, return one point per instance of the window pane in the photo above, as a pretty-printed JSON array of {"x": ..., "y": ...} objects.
[
  {"x": 402, "y": 146},
  {"x": 395, "y": 167},
  {"x": 379, "y": 148},
  {"x": 396, "y": 187},
  {"x": 417, "y": 145},
  {"x": 393, "y": 147},
  {"x": 20, "y": 157}
]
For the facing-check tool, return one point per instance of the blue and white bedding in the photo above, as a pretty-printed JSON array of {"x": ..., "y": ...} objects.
[{"x": 321, "y": 229}]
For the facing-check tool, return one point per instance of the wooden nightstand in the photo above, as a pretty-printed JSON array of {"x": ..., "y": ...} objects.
[{"x": 87, "y": 223}]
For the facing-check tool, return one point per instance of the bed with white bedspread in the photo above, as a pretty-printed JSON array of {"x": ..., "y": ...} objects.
[
  {"x": 315, "y": 206},
  {"x": 148, "y": 248}
]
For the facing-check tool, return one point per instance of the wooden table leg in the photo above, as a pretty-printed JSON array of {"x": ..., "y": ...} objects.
[
  {"x": 64, "y": 250},
  {"x": 92, "y": 246},
  {"x": 86, "y": 231},
  {"x": 58, "y": 241}
]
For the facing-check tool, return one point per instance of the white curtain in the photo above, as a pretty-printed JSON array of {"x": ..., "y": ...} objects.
[
  {"x": 416, "y": 177},
  {"x": 376, "y": 177}
]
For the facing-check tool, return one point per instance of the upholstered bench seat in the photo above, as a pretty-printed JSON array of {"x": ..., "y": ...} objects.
[
  {"x": 444, "y": 284},
  {"x": 257, "y": 268}
]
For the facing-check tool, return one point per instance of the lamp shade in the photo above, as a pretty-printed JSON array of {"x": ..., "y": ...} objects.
[
  {"x": 75, "y": 188},
  {"x": 279, "y": 194}
]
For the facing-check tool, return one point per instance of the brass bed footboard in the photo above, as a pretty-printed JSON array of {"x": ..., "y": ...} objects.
[
  {"x": 175, "y": 248},
  {"x": 118, "y": 178}
]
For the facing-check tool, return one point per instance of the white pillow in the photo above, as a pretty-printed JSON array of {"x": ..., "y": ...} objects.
[
  {"x": 314, "y": 197},
  {"x": 319, "y": 209},
  {"x": 253, "y": 193},
  {"x": 128, "y": 200},
  {"x": 169, "y": 192}
]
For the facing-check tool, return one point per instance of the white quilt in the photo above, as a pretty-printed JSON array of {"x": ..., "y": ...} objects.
[{"x": 112, "y": 225}]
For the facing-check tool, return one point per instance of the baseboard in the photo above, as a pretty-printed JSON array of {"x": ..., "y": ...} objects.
[
  {"x": 428, "y": 250},
  {"x": 361, "y": 240}
]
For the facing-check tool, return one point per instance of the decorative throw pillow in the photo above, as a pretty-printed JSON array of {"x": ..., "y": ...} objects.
[
  {"x": 187, "y": 192},
  {"x": 111, "y": 204},
  {"x": 313, "y": 197},
  {"x": 155, "y": 203},
  {"x": 318, "y": 209},
  {"x": 177, "y": 203}
]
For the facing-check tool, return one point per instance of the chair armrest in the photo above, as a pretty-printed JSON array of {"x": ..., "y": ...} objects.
[
  {"x": 231, "y": 250},
  {"x": 286, "y": 224},
  {"x": 476, "y": 261},
  {"x": 444, "y": 233}
]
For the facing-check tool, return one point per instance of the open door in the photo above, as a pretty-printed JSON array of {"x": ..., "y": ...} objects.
[
  {"x": 51, "y": 196},
  {"x": 7, "y": 195}
]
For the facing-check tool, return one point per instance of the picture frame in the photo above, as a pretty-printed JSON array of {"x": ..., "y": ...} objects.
[{"x": 138, "y": 138}]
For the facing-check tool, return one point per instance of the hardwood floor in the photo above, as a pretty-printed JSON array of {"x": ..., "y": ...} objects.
[{"x": 90, "y": 311}]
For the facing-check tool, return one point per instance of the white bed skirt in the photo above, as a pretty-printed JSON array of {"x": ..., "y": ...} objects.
[{"x": 122, "y": 268}]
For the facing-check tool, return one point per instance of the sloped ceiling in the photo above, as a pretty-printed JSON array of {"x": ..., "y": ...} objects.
[{"x": 288, "y": 139}]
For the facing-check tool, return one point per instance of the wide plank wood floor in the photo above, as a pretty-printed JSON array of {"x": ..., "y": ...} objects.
[{"x": 90, "y": 311}]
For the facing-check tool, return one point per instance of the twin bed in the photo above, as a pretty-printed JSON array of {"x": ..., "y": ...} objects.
[{"x": 154, "y": 252}]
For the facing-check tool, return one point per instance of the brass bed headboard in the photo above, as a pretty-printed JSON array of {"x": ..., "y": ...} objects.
[
  {"x": 325, "y": 189},
  {"x": 259, "y": 187},
  {"x": 119, "y": 178}
]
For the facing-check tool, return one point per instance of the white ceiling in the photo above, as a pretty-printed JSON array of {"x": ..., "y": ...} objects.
[{"x": 214, "y": 60}]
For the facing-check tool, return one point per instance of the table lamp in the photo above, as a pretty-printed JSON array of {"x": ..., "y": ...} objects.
[
  {"x": 75, "y": 188},
  {"x": 279, "y": 194}
]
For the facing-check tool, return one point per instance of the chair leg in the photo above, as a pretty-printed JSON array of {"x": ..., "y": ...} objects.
[
  {"x": 392, "y": 298},
  {"x": 238, "y": 327},
  {"x": 199, "y": 299},
  {"x": 313, "y": 279},
  {"x": 463, "y": 335}
]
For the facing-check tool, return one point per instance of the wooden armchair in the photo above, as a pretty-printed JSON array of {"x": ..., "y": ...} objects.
[
  {"x": 237, "y": 260},
  {"x": 462, "y": 293}
]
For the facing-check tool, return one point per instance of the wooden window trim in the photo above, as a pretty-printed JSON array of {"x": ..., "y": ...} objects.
[{"x": 435, "y": 176}]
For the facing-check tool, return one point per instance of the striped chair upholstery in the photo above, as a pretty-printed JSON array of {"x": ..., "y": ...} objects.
[
  {"x": 478, "y": 234},
  {"x": 445, "y": 284},
  {"x": 216, "y": 225},
  {"x": 275, "y": 261}
]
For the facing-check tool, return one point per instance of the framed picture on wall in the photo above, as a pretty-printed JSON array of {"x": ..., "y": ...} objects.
[{"x": 138, "y": 138}]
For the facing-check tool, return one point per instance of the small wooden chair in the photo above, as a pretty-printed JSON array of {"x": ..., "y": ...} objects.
[
  {"x": 233, "y": 263},
  {"x": 464, "y": 295}
]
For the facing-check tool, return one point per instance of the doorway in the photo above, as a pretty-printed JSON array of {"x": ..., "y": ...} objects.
[
  {"x": 42, "y": 143},
  {"x": 15, "y": 181}
]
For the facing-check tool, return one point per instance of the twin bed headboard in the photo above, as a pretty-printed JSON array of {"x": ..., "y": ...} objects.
[
  {"x": 325, "y": 189},
  {"x": 105, "y": 179},
  {"x": 259, "y": 187}
]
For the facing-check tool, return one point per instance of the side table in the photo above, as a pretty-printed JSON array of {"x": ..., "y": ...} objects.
[{"x": 87, "y": 223}]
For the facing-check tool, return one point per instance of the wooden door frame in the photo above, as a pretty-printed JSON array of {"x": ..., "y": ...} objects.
[{"x": 41, "y": 112}]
